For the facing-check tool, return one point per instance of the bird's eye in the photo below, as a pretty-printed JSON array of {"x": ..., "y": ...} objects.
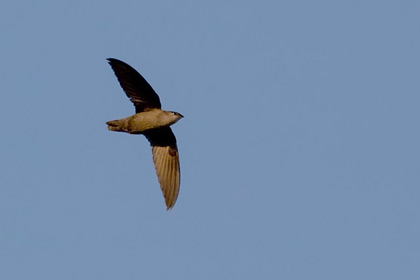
[{"x": 174, "y": 113}]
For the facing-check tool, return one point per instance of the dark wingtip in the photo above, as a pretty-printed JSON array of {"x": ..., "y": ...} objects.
[
  {"x": 116, "y": 63},
  {"x": 112, "y": 60}
]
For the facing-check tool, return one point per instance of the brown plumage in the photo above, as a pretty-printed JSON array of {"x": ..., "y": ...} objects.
[{"x": 153, "y": 122}]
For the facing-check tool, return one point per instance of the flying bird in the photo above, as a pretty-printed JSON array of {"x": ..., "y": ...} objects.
[{"x": 154, "y": 123}]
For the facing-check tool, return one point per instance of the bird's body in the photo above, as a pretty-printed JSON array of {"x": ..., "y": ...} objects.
[
  {"x": 144, "y": 121},
  {"x": 154, "y": 123}
]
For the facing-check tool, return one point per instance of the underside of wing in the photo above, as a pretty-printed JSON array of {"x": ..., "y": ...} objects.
[
  {"x": 166, "y": 160},
  {"x": 135, "y": 86}
]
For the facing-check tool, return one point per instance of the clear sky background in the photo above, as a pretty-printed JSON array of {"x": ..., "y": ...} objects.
[{"x": 299, "y": 147}]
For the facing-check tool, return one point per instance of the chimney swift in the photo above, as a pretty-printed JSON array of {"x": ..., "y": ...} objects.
[{"x": 153, "y": 122}]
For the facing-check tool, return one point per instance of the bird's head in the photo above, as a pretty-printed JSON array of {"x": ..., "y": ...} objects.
[{"x": 172, "y": 117}]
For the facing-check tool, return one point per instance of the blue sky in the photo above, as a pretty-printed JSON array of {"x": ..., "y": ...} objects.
[{"x": 299, "y": 147}]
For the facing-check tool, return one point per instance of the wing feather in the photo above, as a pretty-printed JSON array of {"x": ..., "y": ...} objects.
[
  {"x": 166, "y": 160},
  {"x": 135, "y": 86}
]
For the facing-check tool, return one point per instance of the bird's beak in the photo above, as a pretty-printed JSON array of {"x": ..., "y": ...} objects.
[{"x": 181, "y": 115}]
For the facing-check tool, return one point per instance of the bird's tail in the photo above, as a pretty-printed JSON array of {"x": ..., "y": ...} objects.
[{"x": 117, "y": 125}]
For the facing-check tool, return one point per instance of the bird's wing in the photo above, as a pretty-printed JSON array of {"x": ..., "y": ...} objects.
[
  {"x": 166, "y": 159},
  {"x": 135, "y": 86}
]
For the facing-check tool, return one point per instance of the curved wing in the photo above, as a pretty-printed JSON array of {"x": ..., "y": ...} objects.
[
  {"x": 166, "y": 159},
  {"x": 135, "y": 86}
]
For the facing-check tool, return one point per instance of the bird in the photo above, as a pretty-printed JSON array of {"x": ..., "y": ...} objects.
[{"x": 154, "y": 123}]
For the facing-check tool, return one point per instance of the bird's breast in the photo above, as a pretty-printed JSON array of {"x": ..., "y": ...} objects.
[{"x": 144, "y": 121}]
